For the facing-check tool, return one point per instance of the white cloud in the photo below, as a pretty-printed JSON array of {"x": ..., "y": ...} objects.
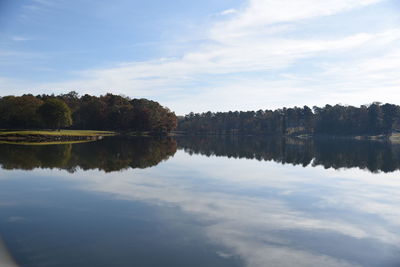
[
  {"x": 253, "y": 42},
  {"x": 228, "y": 11},
  {"x": 259, "y": 14}
]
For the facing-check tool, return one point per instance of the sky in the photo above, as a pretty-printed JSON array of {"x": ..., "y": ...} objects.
[{"x": 216, "y": 55}]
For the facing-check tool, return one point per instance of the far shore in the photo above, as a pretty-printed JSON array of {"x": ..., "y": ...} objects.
[
  {"x": 393, "y": 138},
  {"x": 63, "y": 136}
]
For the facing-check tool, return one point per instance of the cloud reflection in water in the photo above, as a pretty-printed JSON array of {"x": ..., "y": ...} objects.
[{"x": 271, "y": 214}]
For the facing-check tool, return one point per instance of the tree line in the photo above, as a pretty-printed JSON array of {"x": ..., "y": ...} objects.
[
  {"x": 107, "y": 112},
  {"x": 373, "y": 119}
]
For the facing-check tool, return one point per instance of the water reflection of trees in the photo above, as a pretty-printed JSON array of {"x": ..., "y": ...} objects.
[
  {"x": 110, "y": 154},
  {"x": 114, "y": 154},
  {"x": 329, "y": 153}
]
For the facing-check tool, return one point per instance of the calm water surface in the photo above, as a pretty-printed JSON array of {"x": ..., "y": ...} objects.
[{"x": 201, "y": 202}]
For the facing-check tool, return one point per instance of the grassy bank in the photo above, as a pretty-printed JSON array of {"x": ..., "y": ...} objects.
[
  {"x": 57, "y": 133},
  {"x": 52, "y": 136},
  {"x": 33, "y": 143},
  {"x": 395, "y": 138}
]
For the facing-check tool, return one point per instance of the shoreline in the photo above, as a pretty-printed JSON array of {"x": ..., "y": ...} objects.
[
  {"x": 393, "y": 138},
  {"x": 53, "y": 136}
]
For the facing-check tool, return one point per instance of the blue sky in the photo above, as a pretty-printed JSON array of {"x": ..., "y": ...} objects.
[{"x": 205, "y": 55}]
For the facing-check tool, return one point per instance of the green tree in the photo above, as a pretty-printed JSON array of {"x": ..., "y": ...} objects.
[
  {"x": 55, "y": 113},
  {"x": 19, "y": 112},
  {"x": 391, "y": 114},
  {"x": 375, "y": 118}
]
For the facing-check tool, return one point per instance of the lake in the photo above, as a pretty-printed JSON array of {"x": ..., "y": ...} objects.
[{"x": 201, "y": 201}]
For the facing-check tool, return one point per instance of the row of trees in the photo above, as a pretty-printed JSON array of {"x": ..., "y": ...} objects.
[
  {"x": 108, "y": 112},
  {"x": 339, "y": 120},
  {"x": 115, "y": 112}
]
